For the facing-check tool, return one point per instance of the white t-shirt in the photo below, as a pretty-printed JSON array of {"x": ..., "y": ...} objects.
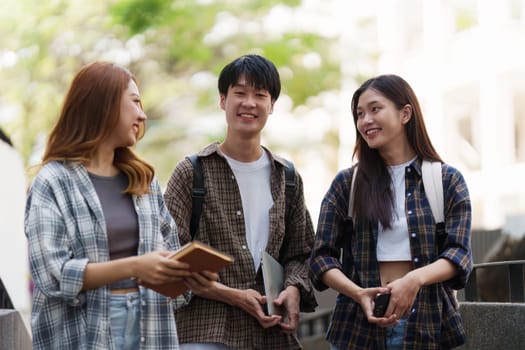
[
  {"x": 253, "y": 179},
  {"x": 393, "y": 244}
]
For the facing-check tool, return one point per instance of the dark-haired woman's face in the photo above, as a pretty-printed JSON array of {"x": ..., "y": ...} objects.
[{"x": 381, "y": 123}]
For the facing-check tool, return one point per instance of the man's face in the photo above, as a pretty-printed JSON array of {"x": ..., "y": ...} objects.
[{"x": 246, "y": 107}]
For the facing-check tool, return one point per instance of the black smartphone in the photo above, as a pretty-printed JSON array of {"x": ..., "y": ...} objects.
[{"x": 380, "y": 304}]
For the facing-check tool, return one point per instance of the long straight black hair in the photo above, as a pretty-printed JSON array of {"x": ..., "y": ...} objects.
[{"x": 373, "y": 201}]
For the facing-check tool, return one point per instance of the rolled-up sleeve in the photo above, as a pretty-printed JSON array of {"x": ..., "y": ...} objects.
[
  {"x": 298, "y": 246},
  {"x": 170, "y": 233},
  {"x": 333, "y": 217},
  {"x": 458, "y": 218},
  {"x": 55, "y": 270}
]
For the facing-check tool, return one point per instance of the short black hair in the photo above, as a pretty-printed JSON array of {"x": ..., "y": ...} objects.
[
  {"x": 259, "y": 72},
  {"x": 5, "y": 138}
]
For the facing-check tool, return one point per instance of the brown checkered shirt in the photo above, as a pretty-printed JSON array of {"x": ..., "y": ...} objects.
[{"x": 222, "y": 226}]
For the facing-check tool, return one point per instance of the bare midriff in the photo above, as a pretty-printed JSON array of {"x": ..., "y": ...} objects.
[{"x": 392, "y": 270}]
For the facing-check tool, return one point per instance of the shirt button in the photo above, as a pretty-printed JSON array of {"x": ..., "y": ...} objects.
[
  {"x": 238, "y": 213},
  {"x": 233, "y": 177},
  {"x": 410, "y": 212},
  {"x": 76, "y": 302},
  {"x": 413, "y": 310},
  {"x": 416, "y": 260},
  {"x": 244, "y": 247},
  {"x": 142, "y": 339},
  {"x": 143, "y": 303},
  {"x": 409, "y": 170},
  {"x": 409, "y": 194},
  {"x": 413, "y": 235}
]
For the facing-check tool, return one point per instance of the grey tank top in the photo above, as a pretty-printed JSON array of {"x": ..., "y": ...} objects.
[{"x": 121, "y": 219}]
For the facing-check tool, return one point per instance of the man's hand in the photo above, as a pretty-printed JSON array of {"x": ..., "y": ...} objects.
[
  {"x": 289, "y": 299},
  {"x": 251, "y": 301},
  {"x": 201, "y": 283},
  {"x": 248, "y": 300}
]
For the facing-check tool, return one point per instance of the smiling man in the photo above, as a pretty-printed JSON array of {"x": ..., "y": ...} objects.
[{"x": 244, "y": 214}]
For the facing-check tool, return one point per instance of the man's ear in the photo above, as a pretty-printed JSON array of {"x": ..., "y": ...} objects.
[
  {"x": 271, "y": 108},
  {"x": 222, "y": 99},
  {"x": 406, "y": 113}
]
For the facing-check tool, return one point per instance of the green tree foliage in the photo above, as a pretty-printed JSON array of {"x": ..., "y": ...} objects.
[
  {"x": 43, "y": 44},
  {"x": 176, "y": 49},
  {"x": 185, "y": 38},
  {"x": 179, "y": 29}
]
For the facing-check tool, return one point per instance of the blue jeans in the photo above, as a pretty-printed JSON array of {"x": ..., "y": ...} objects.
[
  {"x": 124, "y": 311},
  {"x": 395, "y": 335}
]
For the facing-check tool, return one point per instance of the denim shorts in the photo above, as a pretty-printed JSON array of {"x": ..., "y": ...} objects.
[
  {"x": 395, "y": 335},
  {"x": 125, "y": 320}
]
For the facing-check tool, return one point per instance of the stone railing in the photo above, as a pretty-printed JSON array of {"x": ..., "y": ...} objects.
[{"x": 13, "y": 332}]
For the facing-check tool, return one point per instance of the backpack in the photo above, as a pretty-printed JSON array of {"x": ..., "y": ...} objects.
[
  {"x": 198, "y": 190},
  {"x": 433, "y": 183}
]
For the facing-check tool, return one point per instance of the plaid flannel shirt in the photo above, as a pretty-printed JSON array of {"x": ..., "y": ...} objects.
[
  {"x": 435, "y": 322},
  {"x": 66, "y": 229},
  {"x": 222, "y": 226}
]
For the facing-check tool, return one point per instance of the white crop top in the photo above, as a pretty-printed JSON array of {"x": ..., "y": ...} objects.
[{"x": 393, "y": 244}]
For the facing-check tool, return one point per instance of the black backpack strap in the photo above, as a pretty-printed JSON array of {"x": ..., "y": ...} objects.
[
  {"x": 289, "y": 178},
  {"x": 197, "y": 193},
  {"x": 289, "y": 174}
]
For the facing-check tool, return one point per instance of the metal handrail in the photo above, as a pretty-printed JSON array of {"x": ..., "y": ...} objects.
[
  {"x": 315, "y": 323},
  {"x": 515, "y": 277}
]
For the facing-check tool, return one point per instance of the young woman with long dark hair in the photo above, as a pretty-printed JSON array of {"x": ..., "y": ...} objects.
[{"x": 389, "y": 239}]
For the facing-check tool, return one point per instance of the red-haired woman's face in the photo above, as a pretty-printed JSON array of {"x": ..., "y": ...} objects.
[{"x": 132, "y": 118}]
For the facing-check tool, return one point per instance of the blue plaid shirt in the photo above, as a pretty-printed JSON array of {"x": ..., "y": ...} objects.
[
  {"x": 435, "y": 322},
  {"x": 65, "y": 226}
]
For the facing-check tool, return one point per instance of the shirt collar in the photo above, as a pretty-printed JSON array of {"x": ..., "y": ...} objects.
[
  {"x": 214, "y": 148},
  {"x": 416, "y": 165}
]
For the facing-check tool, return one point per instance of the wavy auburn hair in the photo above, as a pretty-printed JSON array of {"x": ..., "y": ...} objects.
[
  {"x": 372, "y": 184},
  {"x": 90, "y": 113}
]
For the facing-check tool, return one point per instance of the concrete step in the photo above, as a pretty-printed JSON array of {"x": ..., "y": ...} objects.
[{"x": 13, "y": 332}]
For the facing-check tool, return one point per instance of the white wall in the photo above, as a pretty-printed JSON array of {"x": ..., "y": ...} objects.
[{"x": 14, "y": 263}]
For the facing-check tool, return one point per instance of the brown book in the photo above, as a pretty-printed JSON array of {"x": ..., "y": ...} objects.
[{"x": 200, "y": 257}]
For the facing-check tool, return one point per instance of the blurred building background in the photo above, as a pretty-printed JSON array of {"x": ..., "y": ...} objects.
[{"x": 465, "y": 60}]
